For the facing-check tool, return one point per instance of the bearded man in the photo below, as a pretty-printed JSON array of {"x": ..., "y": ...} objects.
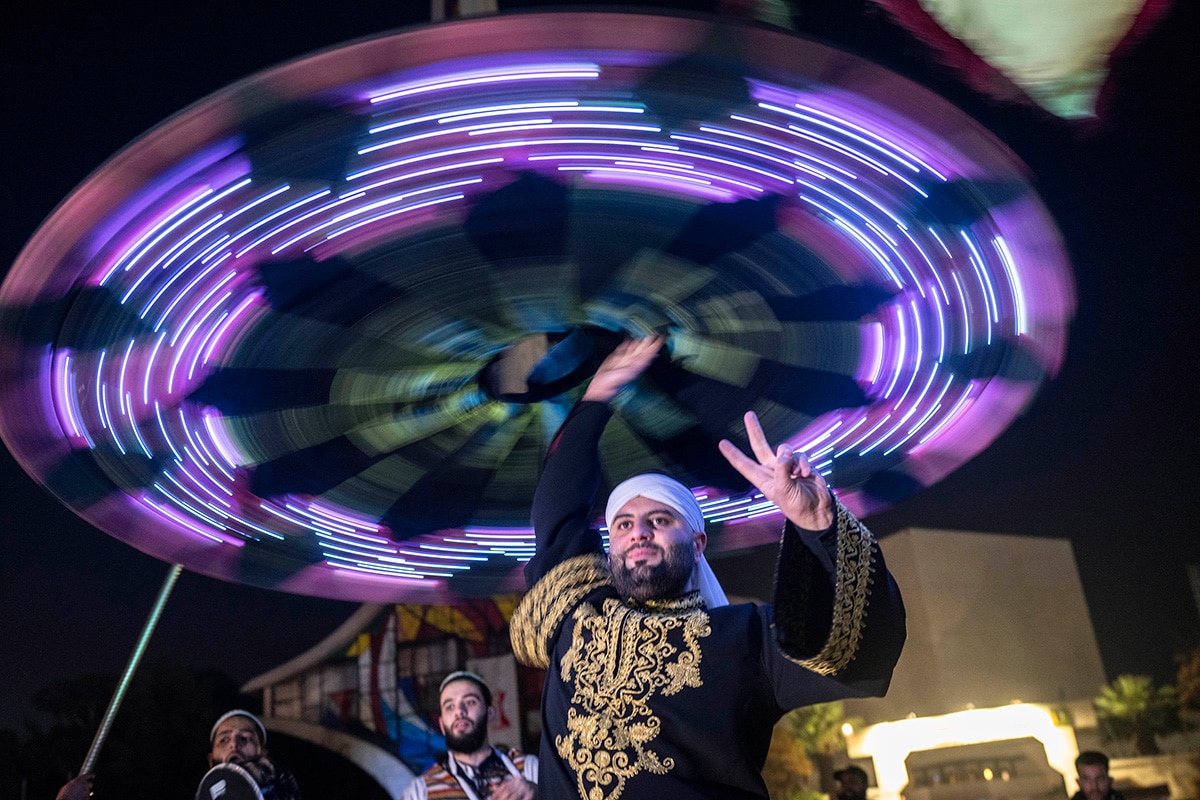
[
  {"x": 1091, "y": 768},
  {"x": 238, "y": 738},
  {"x": 655, "y": 686},
  {"x": 473, "y": 768}
]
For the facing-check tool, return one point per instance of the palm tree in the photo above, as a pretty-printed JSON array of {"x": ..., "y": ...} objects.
[
  {"x": 788, "y": 771},
  {"x": 804, "y": 747},
  {"x": 1131, "y": 707}
]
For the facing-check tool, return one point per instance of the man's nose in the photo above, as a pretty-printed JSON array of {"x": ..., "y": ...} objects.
[{"x": 642, "y": 530}]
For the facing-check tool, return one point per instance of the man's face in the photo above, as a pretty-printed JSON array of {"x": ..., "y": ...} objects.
[
  {"x": 851, "y": 786},
  {"x": 1094, "y": 781},
  {"x": 236, "y": 741},
  {"x": 652, "y": 551},
  {"x": 463, "y": 716}
]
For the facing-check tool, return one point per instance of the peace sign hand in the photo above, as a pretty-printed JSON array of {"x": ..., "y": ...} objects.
[{"x": 784, "y": 477}]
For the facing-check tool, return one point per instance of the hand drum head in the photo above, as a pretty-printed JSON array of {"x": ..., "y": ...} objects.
[{"x": 228, "y": 782}]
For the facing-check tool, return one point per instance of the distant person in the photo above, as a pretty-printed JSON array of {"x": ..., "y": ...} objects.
[
  {"x": 1091, "y": 770},
  {"x": 851, "y": 783},
  {"x": 238, "y": 737},
  {"x": 473, "y": 768}
]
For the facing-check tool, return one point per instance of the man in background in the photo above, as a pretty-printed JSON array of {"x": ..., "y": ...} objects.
[
  {"x": 238, "y": 737},
  {"x": 1091, "y": 770},
  {"x": 473, "y": 768},
  {"x": 851, "y": 783}
]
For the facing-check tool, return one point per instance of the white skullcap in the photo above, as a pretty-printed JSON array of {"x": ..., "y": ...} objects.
[
  {"x": 467, "y": 675},
  {"x": 237, "y": 712},
  {"x": 681, "y": 500}
]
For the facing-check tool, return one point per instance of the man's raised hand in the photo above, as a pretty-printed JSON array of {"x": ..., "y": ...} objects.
[
  {"x": 622, "y": 367},
  {"x": 784, "y": 477}
]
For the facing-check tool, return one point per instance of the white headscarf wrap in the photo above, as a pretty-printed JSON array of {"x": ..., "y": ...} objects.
[{"x": 680, "y": 498}]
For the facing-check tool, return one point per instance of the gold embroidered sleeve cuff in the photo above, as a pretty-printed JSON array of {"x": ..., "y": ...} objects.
[
  {"x": 801, "y": 601},
  {"x": 548, "y": 603}
]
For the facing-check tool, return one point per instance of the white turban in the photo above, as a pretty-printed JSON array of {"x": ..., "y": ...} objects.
[{"x": 681, "y": 500}]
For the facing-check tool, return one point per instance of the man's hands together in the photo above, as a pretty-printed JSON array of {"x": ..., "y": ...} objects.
[{"x": 514, "y": 788}]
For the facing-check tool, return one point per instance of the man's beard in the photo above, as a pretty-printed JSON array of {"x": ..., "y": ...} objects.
[
  {"x": 665, "y": 579},
  {"x": 470, "y": 741}
]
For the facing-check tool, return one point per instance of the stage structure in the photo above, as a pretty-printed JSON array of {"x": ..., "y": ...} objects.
[{"x": 314, "y": 332}]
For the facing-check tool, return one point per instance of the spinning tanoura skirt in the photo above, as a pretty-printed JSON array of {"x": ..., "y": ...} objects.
[{"x": 315, "y": 332}]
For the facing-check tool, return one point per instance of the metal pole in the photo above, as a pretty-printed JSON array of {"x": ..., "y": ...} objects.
[{"x": 134, "y": 658}]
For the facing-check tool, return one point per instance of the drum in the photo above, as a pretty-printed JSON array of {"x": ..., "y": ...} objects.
[{"x": 228, "y": 782}]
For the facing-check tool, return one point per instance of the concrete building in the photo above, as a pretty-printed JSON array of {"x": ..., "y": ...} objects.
[
  {"x": 992, "y": 619},
  {"x": 999, "y": 669}
]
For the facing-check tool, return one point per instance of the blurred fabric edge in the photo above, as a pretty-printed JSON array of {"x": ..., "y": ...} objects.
[{"x": 1056, "y": 54}]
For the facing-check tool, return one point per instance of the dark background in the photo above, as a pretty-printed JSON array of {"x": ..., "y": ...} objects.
[{"x": 1104, "y": 457}]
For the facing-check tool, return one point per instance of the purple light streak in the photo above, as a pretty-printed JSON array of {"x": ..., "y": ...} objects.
[
  {"x": 156, "y": 233},
  {"x": 66, "y": 403},
  {"x": 531, "y": 73}
]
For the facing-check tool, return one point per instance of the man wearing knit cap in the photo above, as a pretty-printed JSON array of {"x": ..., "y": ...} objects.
[
  {"x": 655, "y": 686},
  {"x": 239, "y": 738},
  {"x": 473, "y": 769}
]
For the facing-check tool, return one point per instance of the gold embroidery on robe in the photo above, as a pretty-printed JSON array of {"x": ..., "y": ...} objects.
[
  {"x": 548, "y": 604},
  {"x": 854, "y": 567},
  {"x": 620, "y": 658}
]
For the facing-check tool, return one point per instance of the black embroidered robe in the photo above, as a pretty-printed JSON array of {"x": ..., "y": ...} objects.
[{"x": 671, "y": 699}]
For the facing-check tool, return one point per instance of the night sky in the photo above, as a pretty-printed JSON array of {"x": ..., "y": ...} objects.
[{"x": 1103, "y": 456}]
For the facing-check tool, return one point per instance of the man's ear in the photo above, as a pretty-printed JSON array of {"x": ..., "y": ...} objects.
[
  {"x": 441, "y": 726},
  {"x": 701, "y": 541},
  {"x": 492, "y": 715},
  {"x": 211, "y": 761}
]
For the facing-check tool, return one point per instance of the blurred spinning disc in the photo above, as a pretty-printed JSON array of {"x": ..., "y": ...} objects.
[{"x": 315, "y": 331}]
